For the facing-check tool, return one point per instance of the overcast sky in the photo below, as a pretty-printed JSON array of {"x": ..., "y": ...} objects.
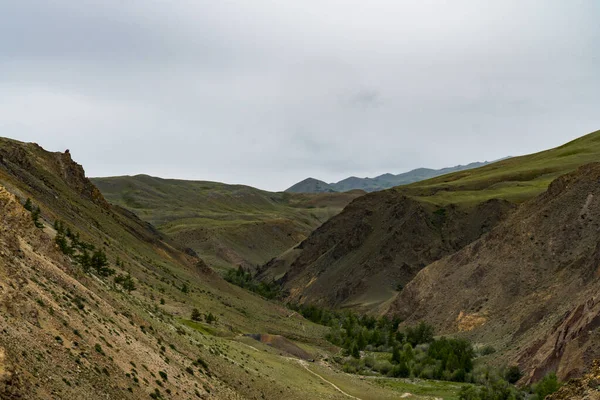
[{"x": 268, "y": 92}]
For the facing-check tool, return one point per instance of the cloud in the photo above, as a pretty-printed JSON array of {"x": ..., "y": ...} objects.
[{"x": 268, "y": 93}]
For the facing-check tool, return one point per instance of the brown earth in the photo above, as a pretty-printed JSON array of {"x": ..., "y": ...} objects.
[
  {"x": 380, "y": 241},
  {"x": 532, "y": 282},
  {"x": 584, "y": 388},
  {"x": 282, "y": 343}
]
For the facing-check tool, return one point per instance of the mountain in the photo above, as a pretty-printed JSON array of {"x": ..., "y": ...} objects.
[
  {"x": 311, "y": 185},
  {"x": 119, "y": 327},
  {"x": 226, "y": 225},
  {"x": 530, "y": 286},
  {"x": 364, "y": 255},
  {"x": 380, "y": 182}
]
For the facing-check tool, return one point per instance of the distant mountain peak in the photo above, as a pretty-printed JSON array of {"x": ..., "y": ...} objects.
[
  {"x": 381, "y": 182},
  {"x": 311, "y": 185}
]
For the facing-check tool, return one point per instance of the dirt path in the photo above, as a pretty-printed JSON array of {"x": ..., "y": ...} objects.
[{"x": 305, "y": 365}]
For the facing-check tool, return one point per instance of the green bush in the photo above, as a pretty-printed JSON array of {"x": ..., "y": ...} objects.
[{"x": 548, "y": 385}]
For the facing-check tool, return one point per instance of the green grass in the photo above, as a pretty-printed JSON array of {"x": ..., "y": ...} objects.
[
  {"x": 515, "y": 179},
  {"x": 420, "y": 387},
  {"x": 227, "y": 225}
]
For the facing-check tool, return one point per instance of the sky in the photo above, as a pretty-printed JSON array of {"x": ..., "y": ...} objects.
[{"x": 269, "y": 92}]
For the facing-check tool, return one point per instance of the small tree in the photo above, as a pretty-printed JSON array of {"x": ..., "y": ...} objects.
[
  {"x": 100, "y": 263},
  {"x": 513, "y": 374},
  {"x": 210, "y": 318},
  {"x": 196, "y": 316},
  {"x": 35, "y": 215},
  {"x": 396, "y": 356},
  {"x": 126, "y": 281},
  {"x": 185, "y": 288},
  {"x": 354, "y": 351},
  {"x": 548, "y": 385},
  {"x": 85, "y": 261},
  {"x": 28, "y": 205}
]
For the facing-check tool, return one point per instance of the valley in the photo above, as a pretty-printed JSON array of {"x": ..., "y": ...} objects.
[
  {"x": 121, "y": 284},
  {"x": 226, "y": 225}
]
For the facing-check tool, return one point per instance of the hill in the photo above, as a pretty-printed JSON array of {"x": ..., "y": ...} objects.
[
  {"x": 311, "y": 185},
  {"x": 381, "y": 182},
  {"x": 515, "y": 179},
  {"x": 530, "y": 286},
  {"x": 380, "y": 241},
  {"x": 116, "y": 324},
  {"x": 227, "y": 225}
]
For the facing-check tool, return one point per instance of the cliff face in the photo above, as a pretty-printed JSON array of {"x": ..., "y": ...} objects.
[
  {"x": 377, "y": 244},
  {"x": 530, "y": 286},
  {"x": 40, "y": 170}
]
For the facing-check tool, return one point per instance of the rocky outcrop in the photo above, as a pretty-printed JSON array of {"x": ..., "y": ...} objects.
[{"x": 533, "y": 282}]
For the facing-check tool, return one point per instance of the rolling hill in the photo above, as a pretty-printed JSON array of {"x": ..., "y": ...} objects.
[{"x": 227, "y": 225}]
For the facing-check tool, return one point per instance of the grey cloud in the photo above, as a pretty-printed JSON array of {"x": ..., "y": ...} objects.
[{"x": 267, "y": 92}]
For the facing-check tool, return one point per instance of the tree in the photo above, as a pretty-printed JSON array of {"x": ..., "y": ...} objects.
[
  {"x": 85, "y": 261},
  {"x": 100, "y": 263},
  {"x": 196, "y": 316},
  {"x": 210, "y": 318},
  {"x": 354, "y": 352},
  {"x": 396, "y": 356},
  {"x": 185, "y": 288},
  {"x": 548, "y": 385},
  {"x": 126, "y": 281},
  {"x": 35, "y": 215},
  {"x": 422, "y": 333},
  {"x": 63, "y": 245},
  {"x": 28, "y": 205},
  {"x": 513, "y": 374}
]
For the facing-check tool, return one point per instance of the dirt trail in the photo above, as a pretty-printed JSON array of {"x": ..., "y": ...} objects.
[{"x": 305, "y": 365}]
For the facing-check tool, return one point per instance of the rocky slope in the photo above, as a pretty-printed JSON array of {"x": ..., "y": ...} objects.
[
  {"x": 68, "y": 333},
  {"x": 530, "y": 286},
  {"x": 376, "y": 245},
  {"x": 584, "y": 388}
]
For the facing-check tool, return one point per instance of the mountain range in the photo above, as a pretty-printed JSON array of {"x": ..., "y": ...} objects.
[{"x": 381, "y": 182}]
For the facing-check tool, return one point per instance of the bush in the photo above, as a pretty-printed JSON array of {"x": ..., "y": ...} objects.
[
  {"x": 210, "y": 318},
  {"x": 126, "y": 281},
  {"x": 513, "y": 374},
  {"x": 548, "y": 385},
  {"x": 487, "y": 350},
  {"x": 196, "y": 316},
  {"x": 422, "y": 333},
  {"x": 384, "y": 367}
]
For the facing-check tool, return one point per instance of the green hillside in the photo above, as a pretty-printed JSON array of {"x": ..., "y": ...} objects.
[
  {"x": 227, "y": 225},
  {"x": 514, "y": 179}
]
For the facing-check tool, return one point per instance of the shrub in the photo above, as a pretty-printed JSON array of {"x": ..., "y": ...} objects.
[
  {"x": 548, "y": 385},
  {"x": 210, "y": 318},
  {"x": 196, "y": 316},
  {"x": 126, "y": 281},
  {"x": 487, "y": 350},
  {"x": 383, "y": 367},
  {"x": 422, "y": 333},
  {"x": 513, "y": 374}
]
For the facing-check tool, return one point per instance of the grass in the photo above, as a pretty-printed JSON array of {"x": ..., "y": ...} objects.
[
  {"x": 515, "y": 179},
  {"x": 419, "y": 387},
  {"x": 227, "y": 225}
]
